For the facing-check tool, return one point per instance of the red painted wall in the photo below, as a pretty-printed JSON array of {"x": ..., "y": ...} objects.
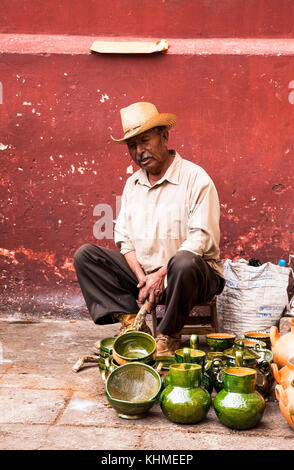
[
  {"x": 171, "y": 18},
  {"x": 235, "y": 119}
]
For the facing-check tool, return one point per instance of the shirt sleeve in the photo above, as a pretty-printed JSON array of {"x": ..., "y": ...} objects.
[
  {"x": 121, "y": 232},
  {"x": 203, "y": 231}
]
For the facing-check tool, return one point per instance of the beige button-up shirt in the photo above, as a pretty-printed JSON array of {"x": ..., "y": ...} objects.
[{"x": 179, "y": 212}]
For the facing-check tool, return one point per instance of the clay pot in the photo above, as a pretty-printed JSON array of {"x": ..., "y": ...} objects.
[
  {"x": 214, "y": 364},
  {"x": 250, "y": 343},
  {"x": 239, "y": 405},
  {"x": 282, "y": 347},
  {"x": 106, "y": 345},
  {"x": 285, "y": 375},
  {"x": 132, "y": 389},
  {"x": 194, "y": 356},
  {"x": 190, "y": 356},
  {"x": 134, "y": 346},
  {"x": 220, "y": 341},
  {"x": 184, "y": 400},
  {"x": 257, "y": 359},
  {"x": 259, "y": 336},
  {"x": 286, "y": 402},
  {"x": 241, "y": 356}
]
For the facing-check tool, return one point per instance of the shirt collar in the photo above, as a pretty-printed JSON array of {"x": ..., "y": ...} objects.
[{"x": 172, "y": 174}]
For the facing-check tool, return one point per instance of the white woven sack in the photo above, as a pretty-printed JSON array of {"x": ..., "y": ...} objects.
[{"x": 253, "y": 298}]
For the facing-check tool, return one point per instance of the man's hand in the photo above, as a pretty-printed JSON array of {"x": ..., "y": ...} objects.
[{"x": 151, "y": 287}]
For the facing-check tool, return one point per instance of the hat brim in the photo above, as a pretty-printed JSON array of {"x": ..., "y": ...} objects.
[{"x": 164, "y": 119}]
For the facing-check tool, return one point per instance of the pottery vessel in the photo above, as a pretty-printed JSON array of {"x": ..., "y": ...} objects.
[
  {"x": 190, "y": 356},
  {"x": 106, "y": 344},
  {"x": 132, "y": 389},
  {"x": 239, "y": 405},
  {"x": 260, "y": 360},
  {"x": 220, "y": 341},
  {"x": 215, "y": 362},
  {"x": 134, "y": 346},
  {"x": 241, "y": 356},
  {"x": 250, "y": 343},
  {"x": 184, "y": 400},
  {"x": 105, "y": 356},
  {"x": 263, "y": 336},
  {"x": 286, "y": 402},
  {"x": 282, "y": 346},
  {"x": 285, "y": 375},
  {"x": 194, "y": 356}
]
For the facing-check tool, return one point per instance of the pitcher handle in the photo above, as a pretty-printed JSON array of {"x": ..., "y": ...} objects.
[
  {"x": 281, "y": 395},
  {"x": 276, "y": 372},
  {"x": 159, "y": 367},
  {"x": 186, "y": 356},
  {"x": 239, "y": 358},
  {"x": 194, "y": 341}
]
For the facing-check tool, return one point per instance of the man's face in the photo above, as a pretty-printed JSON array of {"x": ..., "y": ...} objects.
[{"x": 149, "y": 150}]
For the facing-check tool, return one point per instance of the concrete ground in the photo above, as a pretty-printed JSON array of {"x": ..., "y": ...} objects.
[{"x": 44, "y": 405}]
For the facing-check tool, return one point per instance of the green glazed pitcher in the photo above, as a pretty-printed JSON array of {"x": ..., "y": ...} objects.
[
  {"x": 184, "y": 400},
  {"x": 238, "y": 405},
  {"x": 193, "y": 356}
]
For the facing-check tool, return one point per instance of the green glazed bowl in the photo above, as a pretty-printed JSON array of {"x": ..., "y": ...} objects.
[
  {"x": 220, "y": 341},
  {"x": 132, "y": 389},
  {"x": 106, "y": 345},
  {"x": 259, "y": 336},
  {"x": 134, "y": 346}
]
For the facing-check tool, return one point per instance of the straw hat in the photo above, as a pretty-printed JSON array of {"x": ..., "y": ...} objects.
[{"x": 140, "y": 117}]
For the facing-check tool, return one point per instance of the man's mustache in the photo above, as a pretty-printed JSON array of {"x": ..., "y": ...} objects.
[{"x": 143, "y": 155}]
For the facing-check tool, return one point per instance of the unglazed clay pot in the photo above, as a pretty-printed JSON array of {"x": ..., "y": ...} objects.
[
  {"x": 285, "y": 375},
  {"x": 286, "y": 402},
  {"x": 282, "y": 346},
  {"x": 184, "y": 400},
  {"x": 239, "y": 405}
]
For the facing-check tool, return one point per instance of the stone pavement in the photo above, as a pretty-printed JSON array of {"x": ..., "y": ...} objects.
[{"x": 44, "y": 405}]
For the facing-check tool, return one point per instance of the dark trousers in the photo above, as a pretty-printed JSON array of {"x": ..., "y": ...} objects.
[{"x": 109, "y": 285}]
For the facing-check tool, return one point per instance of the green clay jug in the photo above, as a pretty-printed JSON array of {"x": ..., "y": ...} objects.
[
  {"x": 194, "y": 356},
  {"x": 239, "y": 405},
  {"x": 184, "y": 400}
]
